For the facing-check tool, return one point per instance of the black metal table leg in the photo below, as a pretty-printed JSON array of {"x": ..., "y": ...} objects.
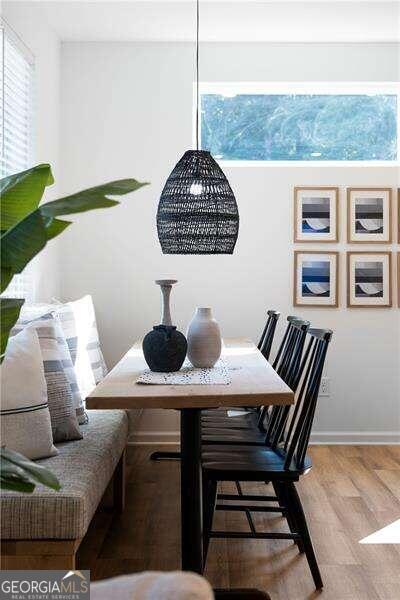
[
  {"x": 191, "y": 505},
  {"x": 191, "y": 491}
]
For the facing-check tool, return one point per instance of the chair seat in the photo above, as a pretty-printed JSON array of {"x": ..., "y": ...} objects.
[
  {"x": 226, "y": 435},
  {"x": 249, "y": 463},
  {"x": 247, "y": 421},
  {"x": 223, "y": 411}
]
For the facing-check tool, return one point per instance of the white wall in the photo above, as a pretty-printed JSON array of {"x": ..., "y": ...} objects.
[
  {"x": 28, "y": 23},
  {"x": 227, "y": 21},
  {"x": 127, "y": 111}
]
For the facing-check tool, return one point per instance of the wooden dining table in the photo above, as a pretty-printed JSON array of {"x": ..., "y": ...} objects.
[{"x": 253, "y": 383}]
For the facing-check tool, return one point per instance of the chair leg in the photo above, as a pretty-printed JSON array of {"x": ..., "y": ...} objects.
[
  {"x": 209, "y": 501},
  {"x": 301, "y": 522},
  {"x": 248, "y": 514},
  {"x": 284, "y": 500}
]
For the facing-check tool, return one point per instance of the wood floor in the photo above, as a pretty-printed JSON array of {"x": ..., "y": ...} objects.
[{"x": 351, "y": 492}]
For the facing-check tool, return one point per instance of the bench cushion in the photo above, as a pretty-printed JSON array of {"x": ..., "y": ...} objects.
[{"x": 84, "y": 468}]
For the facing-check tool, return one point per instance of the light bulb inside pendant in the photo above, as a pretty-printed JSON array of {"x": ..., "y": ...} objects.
[{"x": 196, "y": 189}]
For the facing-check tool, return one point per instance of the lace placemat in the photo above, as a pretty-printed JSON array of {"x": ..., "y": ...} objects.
[{"x": 189, "y": 375}]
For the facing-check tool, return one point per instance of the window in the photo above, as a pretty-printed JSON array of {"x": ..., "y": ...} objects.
[
  {"x": 16, "y": 121},
  {"x": 16, "y": 104},
  {"x": 260, "y": 123}
]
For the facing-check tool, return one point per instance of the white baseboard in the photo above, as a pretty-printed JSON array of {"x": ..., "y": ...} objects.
[
  {"x": 169, "y": 438},
  {"x": 369, "y": 438}
]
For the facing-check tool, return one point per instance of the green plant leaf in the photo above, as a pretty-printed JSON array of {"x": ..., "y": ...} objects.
[
  {"x": 91, "y": 198},
  {"x": 22, "y": 242},
  {"x": 12, "y": 471},
  {"x": 32, "y": 470},
  {"x": 6, "y": 277},
  {"x": 22, "y": 192},
  {"x": 26, "y": 227},
  {"x": 16, "y": 484},
  {"x": 14, "y": 477},
  {"x": 9, "y": 313},
  {"x": 55, "y": 227}
]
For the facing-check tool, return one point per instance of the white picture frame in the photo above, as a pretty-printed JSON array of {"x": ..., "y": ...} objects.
[
  {"x": 369, "y": 279},
  {"x": 369, "y": 215},
  {"x": 316, "y": 278}
]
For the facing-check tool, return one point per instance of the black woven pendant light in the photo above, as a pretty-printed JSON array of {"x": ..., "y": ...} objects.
[{"x": 197, "y": 212}]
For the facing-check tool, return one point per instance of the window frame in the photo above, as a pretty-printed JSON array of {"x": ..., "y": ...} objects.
[
  {"x": 280, "y": 88},
  {"x": 23, "y": 284}
]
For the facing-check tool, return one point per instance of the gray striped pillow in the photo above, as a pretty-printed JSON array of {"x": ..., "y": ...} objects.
[
  {"x": 62, "y": 387},
  {"x": 78, "y": 322},
  {"x": 66, "y": 318}
]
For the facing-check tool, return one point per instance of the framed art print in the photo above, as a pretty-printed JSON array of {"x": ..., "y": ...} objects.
[
  {"x": 316, "y": 214},
  {"x": 316, "y": 278},
  {"x": 369, "y": 279},
  {"x": 369, "y": 215}
]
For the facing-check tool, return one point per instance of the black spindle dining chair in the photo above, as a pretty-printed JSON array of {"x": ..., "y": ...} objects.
[
  {"x": 264, "y": 345},
  {"x": 282, "y": 461},
  {"x": 250, "y": 428}
]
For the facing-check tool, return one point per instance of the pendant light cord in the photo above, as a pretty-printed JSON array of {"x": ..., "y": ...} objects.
[{"x": 197, "y": 72}]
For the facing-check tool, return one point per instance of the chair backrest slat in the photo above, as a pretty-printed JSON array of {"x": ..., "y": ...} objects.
[
  {"x": 290, "y": 349},
  {"x": 290, "y": 320},
  {"x": 267, "y": 336}
]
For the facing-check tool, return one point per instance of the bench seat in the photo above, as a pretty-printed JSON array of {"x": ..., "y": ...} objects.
[{"x": 84, "y": 468}]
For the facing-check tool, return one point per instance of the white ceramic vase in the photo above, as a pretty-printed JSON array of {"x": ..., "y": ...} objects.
[
  {"x": 204, "y": 339},
  {"x": 166, "y": 287}
]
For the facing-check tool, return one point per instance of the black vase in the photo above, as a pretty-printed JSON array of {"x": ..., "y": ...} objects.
[{"x": 164, "y": 349}]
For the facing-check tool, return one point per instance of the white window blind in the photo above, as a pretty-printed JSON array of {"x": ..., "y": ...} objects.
[{"x": 16, "y": 126}]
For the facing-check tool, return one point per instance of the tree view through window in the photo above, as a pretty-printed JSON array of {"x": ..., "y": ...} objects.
[{"x": 300, "y": 127}]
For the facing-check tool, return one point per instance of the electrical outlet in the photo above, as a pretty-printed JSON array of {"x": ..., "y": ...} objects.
[{"x": 325, "y": 387}]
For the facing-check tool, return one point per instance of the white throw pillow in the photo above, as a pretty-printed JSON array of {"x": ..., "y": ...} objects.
[
  {"x": 25, "y": 417},
  {"x": 78, "y": 321},
  {"x": 89, "y": 363},
  {"x": 153, "y": 585}
]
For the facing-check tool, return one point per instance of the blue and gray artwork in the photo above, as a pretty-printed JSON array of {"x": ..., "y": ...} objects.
[
  {"x": 369, "y": 215},
  {"x": 368, "y": 279},
  {"x": 321, "y": 127},
  {"x": 315, "y": 279},
  {"x": 315, "y": 215}
]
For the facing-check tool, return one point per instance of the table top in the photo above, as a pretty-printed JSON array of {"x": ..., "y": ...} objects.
[{"x": 254, "y": 383}]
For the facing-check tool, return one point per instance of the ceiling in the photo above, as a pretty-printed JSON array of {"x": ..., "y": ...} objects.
[{"x": 223, "y": 20}]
